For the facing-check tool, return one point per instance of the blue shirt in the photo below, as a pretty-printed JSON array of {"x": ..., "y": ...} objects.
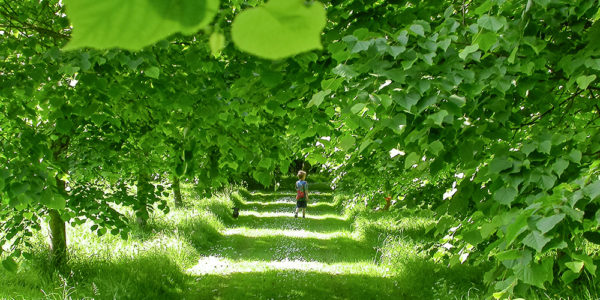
[{"x": 301, "y": 185}]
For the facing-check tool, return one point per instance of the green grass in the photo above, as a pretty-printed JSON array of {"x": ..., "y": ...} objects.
[{"x": 201, "y": 252}]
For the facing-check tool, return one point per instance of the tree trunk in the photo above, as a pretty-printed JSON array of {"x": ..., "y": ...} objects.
[
  {"x": 58, "y": 239},
  {"x": 177, "y": 191},
  {"x": 58, "y": 232},
  {"x": 142, "y": 197}
]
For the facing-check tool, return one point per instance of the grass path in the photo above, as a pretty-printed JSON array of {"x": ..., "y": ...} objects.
[{"x": 268, "y": 254}]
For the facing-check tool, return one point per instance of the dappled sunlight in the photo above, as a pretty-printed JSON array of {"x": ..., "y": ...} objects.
[
  {"x": 293, "y": 233},
  {"x": 288, "y": 206},
  {"x": 221, "y": 265},
  {"x": 288, "y": 214}
]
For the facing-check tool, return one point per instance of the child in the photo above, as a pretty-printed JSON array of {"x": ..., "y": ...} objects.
[{"x": 302, "y": 194}]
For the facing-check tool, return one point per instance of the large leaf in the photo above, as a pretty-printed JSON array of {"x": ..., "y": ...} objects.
[
  {"x": 592, "y": 190},
  {"x": 538, "y": 274},
  {"x": 279, "y": 28},
  {"x": 411, "y": 159},
  {"x": 491, "y": 22},
  {"x": 486, "y": 40},
  {"x": 505, "y": 195},
  {"x": 536, "y": 240},
  {"x": 347, "y": 142},
  {"x": 546, "y": 224},
  {"x": 499, "y": 164},
  {"x": 134, "y": 24},
  {"x": 559, "y": 166},
  {"x": 318, "y": 98},
  {"x": 10, "y": 264}
]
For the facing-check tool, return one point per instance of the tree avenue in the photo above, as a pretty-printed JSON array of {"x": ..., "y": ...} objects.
[{"x": 488, "y": 108}]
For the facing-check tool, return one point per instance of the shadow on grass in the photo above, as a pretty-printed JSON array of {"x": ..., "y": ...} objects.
[
  {"x": 294, "y": 284},
  {"x": 280, "y": 247},
  {"x": 148, "y": 276},
  {"x": 291, "y": 195},
  {"x": 320, "y": 225},
  {"x": 199, "y": 231},
  {"x": 318, "y": 208}
]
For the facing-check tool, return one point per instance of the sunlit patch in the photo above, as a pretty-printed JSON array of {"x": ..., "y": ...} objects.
[
  {"x": 249, "y": 232},
  {"x": 289, "y": 214},
  {"x": 284, "y": 200},
  {"x": 223, "y": 266}
]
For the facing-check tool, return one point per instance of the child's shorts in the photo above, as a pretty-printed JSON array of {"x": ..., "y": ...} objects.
[{"x": 301, "y": 203}]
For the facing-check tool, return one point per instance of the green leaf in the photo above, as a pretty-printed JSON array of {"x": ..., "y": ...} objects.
[
  {"x": 364, "y": 145},
  {"x": 10, "y": 264},
  {"x": 407, "y": 101},
  {"x": 499, "y": 164},
  {"x": 536, "y": 240},
  {"x": 457, "y": 100},
  {"x": 538, "y": 274},
  {"x": 435, "y": 147},
  {"x": 491, "y": 23},
  {"x": 411, "y": 159},
  {"x": 356, "y": 108},
  {"x": 438, "y": 117},
  {"x": 483, "y": 8},
  {"x": 346, "y": 143},
  {"x": 64, "y": 126},
  {"x": 575, "y": 266},
  {"x": 18, "y": 188},
  {"x": 516, "y": 227},
  {"x": 548, "y": 181},
  {"x": 345, "y": 71},
  {"x": 263, "y": 177},
  {"x": 559, "y": 166},
  {"x": 332, "y": 84},
  {"x": 386, "y": 100},
  {"x": 134, "y": 24},
  {"x": 468, "y": 50},
  {"x": 217, "y": 43},
  {"x": 486, "y": 40},
  {"x": 417, "y": 29},
  {"x": 584, "y": 81},
  {"x": 513, "y": 54},
  {"x": 575, "y": 156},
  {"x": 361, "y": 46},
  {"x": 279, "y": 28},
  {"x": 592, "y": 190},
  {"x": 511, "y": 254},
  {"x": 152, "y": 72},
  {"x": 546, "y": 224},
  {"x": 593, "y": 63},
  {"x": 569, "y": 276},
  {"x": 588, "y": 262},
  {"x": 472, "y": 237},
  {"x": 505, "y": 195},
  {"x": 54, "y": 201},
  {"x": 545, "y": 146},
  {"x": 317, "y": 98}
]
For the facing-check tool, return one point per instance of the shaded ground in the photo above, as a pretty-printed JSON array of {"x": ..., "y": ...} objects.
[{"x": 267, "y": 253}]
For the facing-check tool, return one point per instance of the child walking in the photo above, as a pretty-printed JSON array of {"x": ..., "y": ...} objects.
[{"x": 301, "y": 193}]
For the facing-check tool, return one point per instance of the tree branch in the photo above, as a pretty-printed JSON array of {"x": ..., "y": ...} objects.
[{"x": 551, "y": 109}]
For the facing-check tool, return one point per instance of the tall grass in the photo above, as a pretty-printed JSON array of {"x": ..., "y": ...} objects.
[{"x": 150, "y": 264}]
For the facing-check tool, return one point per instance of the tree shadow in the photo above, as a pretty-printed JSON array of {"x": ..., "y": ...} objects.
[
  {"x": 318, "y": 208},
  {"x": 312, "y": 223},
  {"x": 316, "y": 196},
  {"x": 145, "y": 276},
  {"x": 296, "y": 284},
  {"x": 200, "y": 232},
  {"x": 334, "y": 249}
]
